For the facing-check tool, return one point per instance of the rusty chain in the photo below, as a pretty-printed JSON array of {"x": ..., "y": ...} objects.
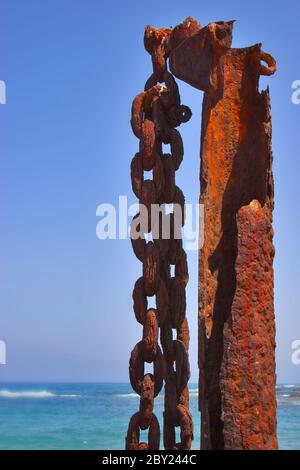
[{"x": 156, "y": 113}]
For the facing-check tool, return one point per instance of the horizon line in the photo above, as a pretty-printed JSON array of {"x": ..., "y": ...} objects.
[{"x": 97, "y": 382}]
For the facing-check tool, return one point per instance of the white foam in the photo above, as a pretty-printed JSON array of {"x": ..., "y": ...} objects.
[
  {"x": 134, "y": 395},
  {"x": 127, "y": 395},
  {"x": 72, "y": 395},
  {"x": 32, "y": 394}
]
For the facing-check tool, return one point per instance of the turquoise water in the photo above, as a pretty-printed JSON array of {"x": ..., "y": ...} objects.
[{"x": 95, "y": 416}]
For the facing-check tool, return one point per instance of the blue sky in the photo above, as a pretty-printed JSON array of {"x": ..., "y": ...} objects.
[{"x": 72, "y": 69}]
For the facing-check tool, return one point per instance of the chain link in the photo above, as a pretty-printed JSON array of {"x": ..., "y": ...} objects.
[{"x": 155, "y": 114}]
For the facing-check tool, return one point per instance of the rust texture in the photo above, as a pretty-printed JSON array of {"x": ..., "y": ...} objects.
[
  {"x": 236, "y": 312},
  {"x": 248, "y": 372},
  {"x": 156, "y": 113}
]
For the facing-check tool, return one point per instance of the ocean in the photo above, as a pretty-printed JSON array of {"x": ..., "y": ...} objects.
[{"x": 95, "y": 416}]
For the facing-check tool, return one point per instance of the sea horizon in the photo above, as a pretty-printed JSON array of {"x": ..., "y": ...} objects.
[
  {"x": 95, "y": 415},
  {"x": 101, "y": 382}
]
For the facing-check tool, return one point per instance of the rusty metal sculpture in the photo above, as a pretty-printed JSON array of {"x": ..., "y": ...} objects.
[{"x": 236, "y": 308}]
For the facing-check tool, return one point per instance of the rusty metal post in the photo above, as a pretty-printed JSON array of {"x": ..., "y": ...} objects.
[{"x": 236, "y": 311}]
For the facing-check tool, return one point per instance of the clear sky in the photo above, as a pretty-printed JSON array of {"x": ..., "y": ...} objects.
[{"x": 72, "y": 68}]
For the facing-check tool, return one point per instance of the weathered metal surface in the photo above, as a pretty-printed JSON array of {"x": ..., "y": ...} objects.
[
  {"x": 236, "y": 312},
  {"x": 248, "y": 367},
  {"x": 156, "y": 113}
]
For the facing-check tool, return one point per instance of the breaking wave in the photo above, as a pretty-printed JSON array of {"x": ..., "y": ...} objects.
[
  {"x": 33, "y": 394},
  {"x": 127, "y": 395}
]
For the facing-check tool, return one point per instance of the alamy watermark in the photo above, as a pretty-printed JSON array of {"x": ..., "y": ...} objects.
[
  {"x": 2, "y": 353},
  {"x": 2, "y": 92},
  {"x": 296, "y": 93},
  {"x": 296, "y": 353},
  {"x": 163, "y": 221}
]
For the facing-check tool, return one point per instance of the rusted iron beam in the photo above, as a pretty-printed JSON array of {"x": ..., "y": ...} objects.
[{"x": 236, "y": 311}]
